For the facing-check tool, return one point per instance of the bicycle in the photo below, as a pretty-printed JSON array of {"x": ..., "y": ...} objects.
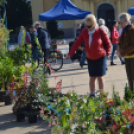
[{"x": 55, "y": 59}]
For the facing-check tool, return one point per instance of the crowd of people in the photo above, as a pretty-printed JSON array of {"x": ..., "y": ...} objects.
[
  {"x": 113, "y": 35},
  {"x": 98, "y": 41},
  {"x": 37, "y": 37},
  {"x": 94, "y": 42}
]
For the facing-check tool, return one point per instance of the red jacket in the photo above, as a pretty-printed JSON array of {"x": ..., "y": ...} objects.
[
  {"x": 96, "y": 49},
  {"x": 115, "y": 36}
]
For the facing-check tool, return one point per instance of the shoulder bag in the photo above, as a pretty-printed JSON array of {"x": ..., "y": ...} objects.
[{"x": 104, "y": 44}]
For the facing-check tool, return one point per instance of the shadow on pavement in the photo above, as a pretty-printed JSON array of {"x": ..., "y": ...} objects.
[
  {"x": 8, "y": 121},
  {"x": 72, "y": 86},
  {"x": 70, "y": 74},
  {"x": 42, "y": 132},
  {"x": 68, "y": 70}
]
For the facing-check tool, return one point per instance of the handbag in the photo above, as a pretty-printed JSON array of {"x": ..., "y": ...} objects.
[{"x": 104, "y": 44}]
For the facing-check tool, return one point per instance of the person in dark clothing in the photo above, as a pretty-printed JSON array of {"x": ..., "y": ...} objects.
[
  {"x": 42, "y": 37},
  {"x": 114, "y": 39},
  {"x": 77, "y": 54},
  {"x": 34, "y": 42},
  {"x": 83, "y": 58},
  {"x": 33, "y": 35}
]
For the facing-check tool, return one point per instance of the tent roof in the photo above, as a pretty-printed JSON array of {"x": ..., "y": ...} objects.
[
  {"x": 131, "y": 11},
  {"x": 64, "y": 10}
]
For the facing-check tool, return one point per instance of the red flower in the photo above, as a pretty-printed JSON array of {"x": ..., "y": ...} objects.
[
  {"x": 127, "y": 112},
  {"x": 58, "y": 86},
  {"x": 48, "y": 65}
]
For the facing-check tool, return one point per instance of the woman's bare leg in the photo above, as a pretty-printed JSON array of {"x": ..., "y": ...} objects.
[
  {"x": 92, "y": 84},
  {"x": 101, "y": 83}
]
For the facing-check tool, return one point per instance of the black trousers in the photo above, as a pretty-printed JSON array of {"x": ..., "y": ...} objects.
[
  {"x": 130, "y": 72},
  {"x": 46, "y": 55}
]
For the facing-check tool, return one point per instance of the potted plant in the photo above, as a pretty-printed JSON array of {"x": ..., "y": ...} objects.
[
  {"x": 18, "y": 94},
  {"x": 20, "y": 107},
  {"x": 6, "y": 76},
  {"x": 17, "y": 55},
  {"x": 35, "y": 100}
]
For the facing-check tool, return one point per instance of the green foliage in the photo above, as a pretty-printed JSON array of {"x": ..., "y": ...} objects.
[
  {"x": 52, "y": 28},
  {"x": 116, "y": 98},
  {"x": 84, "y": 115},
  {"x": 6, "y": 70},
  {"x": 43, "y": 87},
  {"x": 128, "y": 94},
  {"x": 4, "y": 34},
  {"x": 18, "y": 56},
  {"x": 18, "y": 71}
]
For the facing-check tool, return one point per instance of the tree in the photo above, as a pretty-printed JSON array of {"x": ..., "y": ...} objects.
[
  {"x": 18, "y": 13},
  {"x": 52, "y": 28}
]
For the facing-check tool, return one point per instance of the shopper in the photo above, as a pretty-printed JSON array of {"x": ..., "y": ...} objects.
[
  {"x": 114, "y": 39},
  {"x": 105, "y": 28},
  {"x": 83, "y": 58},
  {"x": 126, "y": 47},
  {"x": 42, "y": 37},
  {"x": 35, "y": 43},
  {"x": 23, "y": 37},
  {"x": 95, "y": 52}
]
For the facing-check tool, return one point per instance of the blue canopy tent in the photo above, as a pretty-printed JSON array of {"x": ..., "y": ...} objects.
[
  {"x": 131, "y": 11},
  {"x": 64, "y": 10}
]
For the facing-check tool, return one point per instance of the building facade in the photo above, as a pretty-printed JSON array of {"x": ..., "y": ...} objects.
[{"x": 106, "y": 9}]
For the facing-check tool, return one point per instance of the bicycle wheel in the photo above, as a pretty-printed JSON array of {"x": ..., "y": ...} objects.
[{"x": 55, "y": 60}]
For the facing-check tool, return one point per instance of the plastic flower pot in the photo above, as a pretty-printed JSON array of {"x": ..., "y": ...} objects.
[
  {"x": 20, "y": 117},
  {"x": 2, "y": 98},
  {"x": 32, "y": 118},
  {"x": 8, "y": 100}
]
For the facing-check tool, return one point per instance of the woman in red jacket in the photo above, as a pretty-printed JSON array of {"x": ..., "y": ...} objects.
[
  {"x": 114, "y": 37},
  {"x": 94, "y": 39}
]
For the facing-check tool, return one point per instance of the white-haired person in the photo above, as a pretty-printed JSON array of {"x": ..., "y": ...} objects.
[
  {"x": 102, "y": 25},
  {"x": 96, "y": 53},
  {"x": 126, "y": 47},
  {"x": 23, "y": 37}
]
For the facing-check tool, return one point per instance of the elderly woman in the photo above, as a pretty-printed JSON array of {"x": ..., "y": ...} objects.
[
  {"x": 97, "y": 53},
  {"x": 126, "y": 47},
  {"x": 103, "y": 26}
]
